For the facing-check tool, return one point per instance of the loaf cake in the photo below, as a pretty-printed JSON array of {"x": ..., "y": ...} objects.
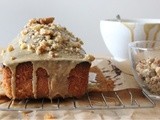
[{"x": 45, "y": 61}]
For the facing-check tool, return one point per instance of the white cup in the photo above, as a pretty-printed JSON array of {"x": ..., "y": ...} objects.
[{"x": 118, "y": 34}]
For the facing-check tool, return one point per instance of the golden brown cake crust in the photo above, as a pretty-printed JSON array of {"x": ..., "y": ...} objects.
[
  {"x": 7, "y": 81},
  {"x": 24, "y": 80},
  {"x": 78, "y": 80},
  {"x": 42, "y": 83}
]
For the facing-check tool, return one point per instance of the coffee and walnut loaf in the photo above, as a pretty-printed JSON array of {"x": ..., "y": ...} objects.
[{"x": 45, "y": 61}]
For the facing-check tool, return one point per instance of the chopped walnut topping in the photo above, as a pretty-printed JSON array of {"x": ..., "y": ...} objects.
[
  {"x": 24, "y": 32},
  {"x": 78, "y": 50},
  {"x": 42, "y": 31},
  {"x": 44, "y": 43},
  {"x": 36, "y": 33},
  {"x": 43, "y": 36},
  {"x": 40, "y": 49},
  {"x": 41, "y": 21},
  {"x": 32, "y": 21},
  {"x": 53, "y": 26},
  {"x": 13, "y": 58},
  {"x": 23, "y": 46},
  {"x": 46, "y": 32},
  {"x": 50, "y": 42},
  {"x": 46, "y": 20},
  {"x": 157, "y": 71},
  {"x": 71, "y": 49},
  {"x": 37, "y": 27},
  {"x": 55, "y": 46},
  {"x": 57, "y": 33},
  {"x": 10, "y": 48},
  {"x": 47, "y": 37},
  {"x": 31, "y": 48},
  {"x": 89, "y": 57},
  {"x": 148, "y": 71},
  {"x": 59, "y": 39}
]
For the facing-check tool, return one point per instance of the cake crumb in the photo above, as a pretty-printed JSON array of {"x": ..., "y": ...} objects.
[{"x": 49, "y": 117}]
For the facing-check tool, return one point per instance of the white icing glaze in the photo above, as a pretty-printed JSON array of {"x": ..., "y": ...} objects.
[
  {"x": 58, "y": 72},
  {"x": 13, "y": 80},
  {"x": 34, "y": 81}
]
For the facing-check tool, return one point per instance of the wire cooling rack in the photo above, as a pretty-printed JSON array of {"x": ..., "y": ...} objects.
[{"x": 125, "y": 99}]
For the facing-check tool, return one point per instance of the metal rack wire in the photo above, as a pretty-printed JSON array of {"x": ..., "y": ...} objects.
[{"x": 125, "y": 99}]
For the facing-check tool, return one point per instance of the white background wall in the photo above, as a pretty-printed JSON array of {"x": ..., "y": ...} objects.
[{"x": 79, "y": 16}]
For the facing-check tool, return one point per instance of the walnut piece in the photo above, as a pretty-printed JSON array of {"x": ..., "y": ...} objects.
[
  {"x": 157, "y": 71},
  {"x": 13, "y": 58},
  {"x": 41, "y": 49},
  {"x": 31, "y": 48},
  {"x": 46, "y": 20},
  {"x": 23, "y": 46},
  {"x": 148, "y": 71},
  {"x": 46, "y": 32},
  {"x": 37, "y": 27},
  {"x": 10, "y": 48},
  {"x": 89, "y": 57}
]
